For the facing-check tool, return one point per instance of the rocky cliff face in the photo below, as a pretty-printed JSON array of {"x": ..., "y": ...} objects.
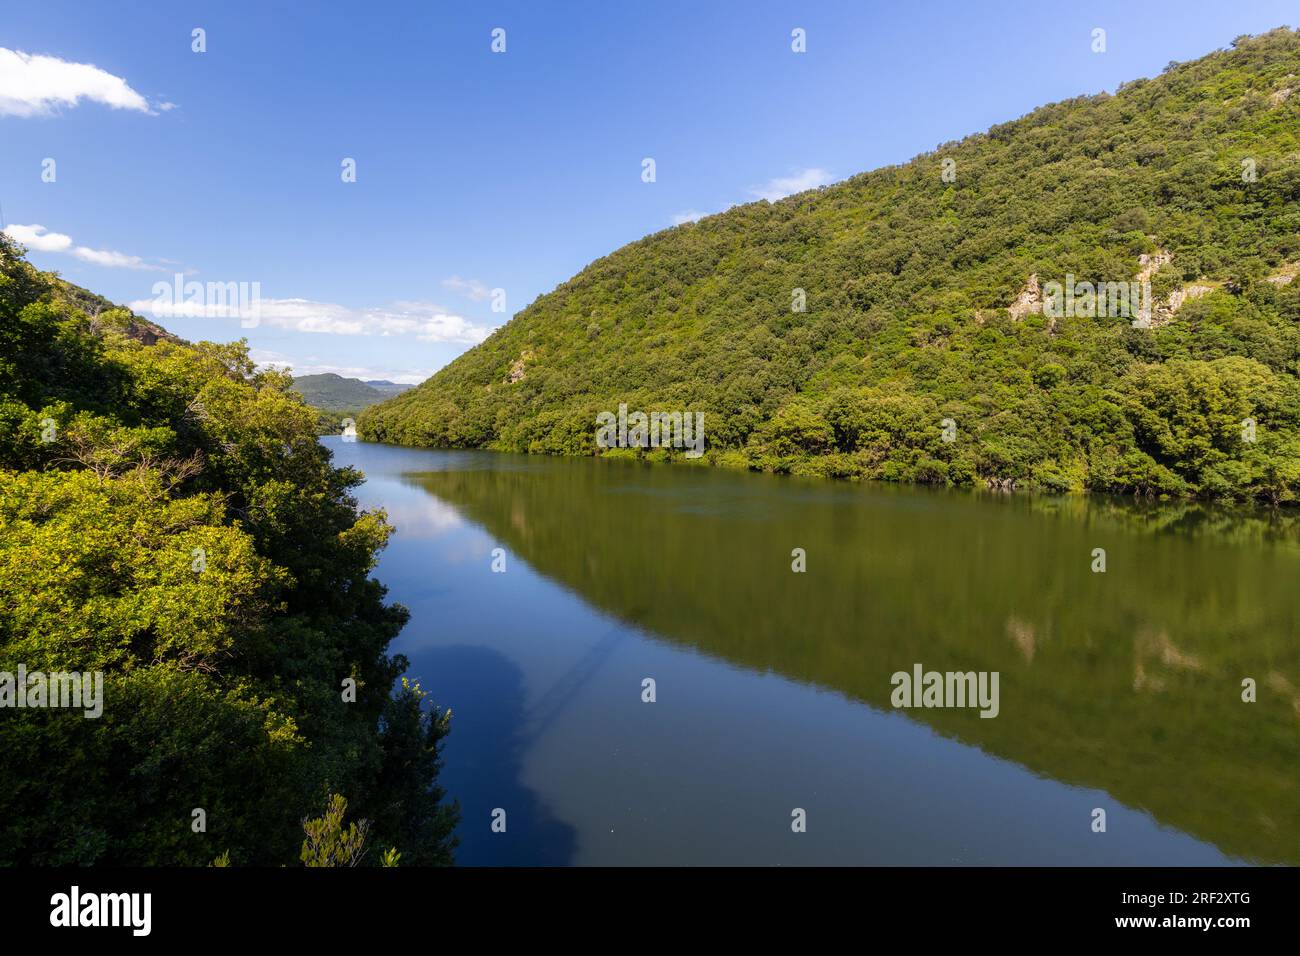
[{"x": 1028, "y": 302}]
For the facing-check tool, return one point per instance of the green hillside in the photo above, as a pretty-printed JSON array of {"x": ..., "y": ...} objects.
[
  {"x": 169, "y": 521},
  {"x": 334, "y": 393},
  {"x": 924, "y": 303}
]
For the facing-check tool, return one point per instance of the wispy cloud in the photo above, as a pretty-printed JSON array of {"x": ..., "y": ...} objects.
[
  {"x": 781, "y": 187},
  {"x": 34, "y": 85},
  {"x": 689, "y": 215},
  {"x": 39, "y": 239},
  {"x": 472, "y": 289},
  {"x": 425, "y": 321}
]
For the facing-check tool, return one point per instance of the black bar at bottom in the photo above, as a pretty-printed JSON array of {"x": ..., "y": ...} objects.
[{"x": 432, "y": 905}]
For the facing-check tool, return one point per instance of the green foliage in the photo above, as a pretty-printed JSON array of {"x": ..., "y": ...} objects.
[
  {"x": 334, "y": 393},
  {"x": 327, "y": 843},
  {"x": 415, "y": 816},
  {"x": 167, "y": 517},
  {"x": 336, "y": 399},
  {"x": 332, "y": 423},
  {"x": 908, "y": 280}
]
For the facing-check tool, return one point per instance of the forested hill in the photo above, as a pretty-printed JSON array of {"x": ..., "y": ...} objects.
[
  {"x": 169, "y": 522},
  {"x": 924, "y": 287},
  {"x": 335, "y": 393}
]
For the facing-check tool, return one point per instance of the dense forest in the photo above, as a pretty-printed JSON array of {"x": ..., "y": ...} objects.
[
  {"x": 168, "y": 518},
  {"x": 336, "y": 393},
  {"x": 892, "y": 326},
  {"x": 335, "y": 399}
]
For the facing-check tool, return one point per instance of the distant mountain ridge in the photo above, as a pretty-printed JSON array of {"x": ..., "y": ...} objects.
[
  {"x": 336, "y": 393},
  {"x": 384, "y": 385},
  {"x": 897, "y": 325}
]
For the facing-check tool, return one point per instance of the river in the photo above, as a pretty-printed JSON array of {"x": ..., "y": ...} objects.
[{"x": 772, "y": 736}]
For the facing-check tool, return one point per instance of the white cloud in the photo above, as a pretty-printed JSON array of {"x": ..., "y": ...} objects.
[
  {"x": 690, "y": 215},
  {"x": 473, "y": 289},
  {"x": 781, "y": 187},
  {"x": 423, "y": 518},
  {"x": 113, "y": 260},
  {"x": 425, "y": 321},
  {"x": 39, "y": 239},
  {"x": 33, "y": 85}
]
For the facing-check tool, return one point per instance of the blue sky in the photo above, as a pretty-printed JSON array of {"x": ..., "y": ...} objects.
[{"x": 479, "y": 171}]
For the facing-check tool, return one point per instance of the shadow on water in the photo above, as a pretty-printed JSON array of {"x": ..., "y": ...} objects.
[
  {"x": 1127, "y": 681},
  {"x": 484, "y": 756}
]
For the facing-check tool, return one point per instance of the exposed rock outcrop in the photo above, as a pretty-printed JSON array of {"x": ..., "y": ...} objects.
[
  {"x": 1162, "y": 313},
  {"x": 1286, "y": 275},
  {"x": 1028, "y": 302},
  {"x": 1149, "y": 265},
  {"x": 518, "y": 368}
]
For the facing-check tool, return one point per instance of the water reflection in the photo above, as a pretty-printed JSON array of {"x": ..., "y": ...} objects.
[
  {"x": 489, "y": 728},
  {"x": 1125, "y": 687}
]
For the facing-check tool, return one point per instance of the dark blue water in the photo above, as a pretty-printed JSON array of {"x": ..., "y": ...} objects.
[{"x": 773, "y": 689}]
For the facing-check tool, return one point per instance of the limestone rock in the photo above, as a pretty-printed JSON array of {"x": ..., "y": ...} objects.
[{"x": 1029, "y": 301}]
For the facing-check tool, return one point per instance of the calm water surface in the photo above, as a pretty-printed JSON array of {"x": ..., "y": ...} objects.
[{"x": 1119, "y": 691}]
